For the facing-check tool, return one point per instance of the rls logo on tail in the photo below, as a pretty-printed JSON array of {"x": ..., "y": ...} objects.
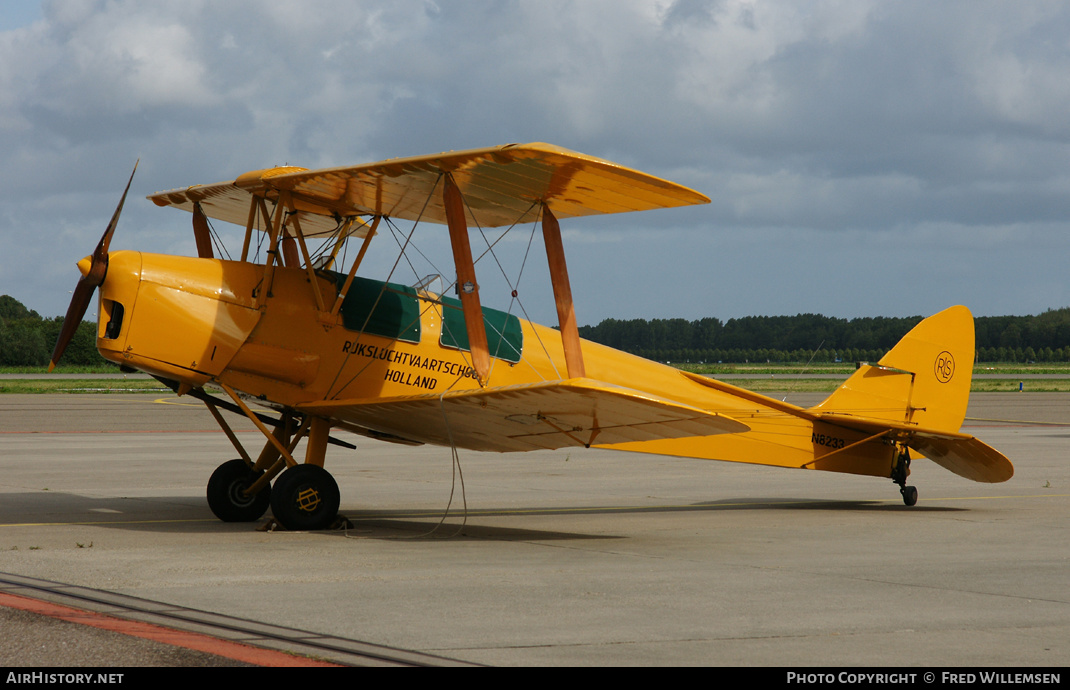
[{"x": 945, "y": 367}]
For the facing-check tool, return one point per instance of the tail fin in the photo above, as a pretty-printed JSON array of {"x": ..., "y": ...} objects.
[
  {"x": 919, "y": 391},
  {"x": 924, "y": 380}
]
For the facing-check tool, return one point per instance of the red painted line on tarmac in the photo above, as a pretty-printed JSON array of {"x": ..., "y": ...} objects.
[{"x": 156, "y": 633}]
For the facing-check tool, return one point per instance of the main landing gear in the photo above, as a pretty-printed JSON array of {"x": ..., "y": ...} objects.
[
  {"x": 304, "y": 496},
  {"x": 900, "y": 474}
]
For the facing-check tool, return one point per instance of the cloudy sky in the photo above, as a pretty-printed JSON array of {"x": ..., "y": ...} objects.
[{"x": 863, "y": 157}]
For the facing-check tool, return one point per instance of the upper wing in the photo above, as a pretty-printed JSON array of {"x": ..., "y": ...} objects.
[
  {"x": 501, "y": 185},
  {"x": 230, "y": 202},
  {"x": 554, "y": 414}
]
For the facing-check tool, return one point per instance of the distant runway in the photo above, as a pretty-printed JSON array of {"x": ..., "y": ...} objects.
[{"x": 566, "y": 557}]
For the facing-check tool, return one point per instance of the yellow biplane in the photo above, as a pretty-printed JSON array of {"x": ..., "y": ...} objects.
[{"x": 303, "y": 334}]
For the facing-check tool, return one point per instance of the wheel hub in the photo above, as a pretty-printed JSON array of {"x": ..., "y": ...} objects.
[
  {"x": 308, "y": 500},
  {"x": 238, "y": 494}
]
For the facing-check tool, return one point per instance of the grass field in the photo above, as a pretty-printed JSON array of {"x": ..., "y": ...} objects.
[
  {"x": 762, "y": 378},
  {"x": 1009, "y": 369},
  {"x": 998, "y": 377},
  {"x": 804, "y": 385},
  {"x": 116, "y": 385}
]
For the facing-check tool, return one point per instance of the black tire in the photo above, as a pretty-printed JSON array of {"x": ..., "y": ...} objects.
[
  {"x": 910, "y": 495},
  {"x": 226, "y": 497},
  {"x": 305, "y": 497}
]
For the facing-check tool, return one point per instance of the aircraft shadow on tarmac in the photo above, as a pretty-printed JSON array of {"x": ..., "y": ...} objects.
[
  {"x": 189, "y": 514},
  {"x": 817, "y": 504},
  {"x": 375, "y": 525}
]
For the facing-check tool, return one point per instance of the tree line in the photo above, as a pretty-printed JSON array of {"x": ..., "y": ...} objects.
[
  {"x": 812, "y": 337},
  {"x": 27, "y": 339}
]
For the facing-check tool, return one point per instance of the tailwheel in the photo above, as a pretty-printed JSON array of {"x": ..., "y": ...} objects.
[
  {"x": 227, "y": 497},
  {"x": 305, "y": 497},
  {"x": 900, "y": 474}
]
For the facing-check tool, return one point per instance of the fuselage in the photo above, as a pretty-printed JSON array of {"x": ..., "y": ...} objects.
[{"x": 195, "y": 321}]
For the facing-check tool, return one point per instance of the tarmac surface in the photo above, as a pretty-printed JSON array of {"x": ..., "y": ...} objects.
[{"x": 581, "y": 557}]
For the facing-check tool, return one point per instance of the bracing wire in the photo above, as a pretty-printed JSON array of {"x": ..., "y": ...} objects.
[
  {"x": 378, "y": 297},
  {"x": 217, "y": 241},
  {"x": 457, "y": 475},
  {"x": 394, "y": 232},
  {"x": 520, "y": 304}
]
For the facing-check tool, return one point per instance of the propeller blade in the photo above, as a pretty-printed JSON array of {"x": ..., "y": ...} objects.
[
  {"x": 93, "y": 278},
  {"x": 83, "y": 293},
  {"x": 101, "y": 252}
]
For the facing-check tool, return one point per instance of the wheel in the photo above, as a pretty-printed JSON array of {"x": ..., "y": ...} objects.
[
  {"x": 305, "y": 497},
  {"x": 910, "y": 495},
  {"x": 226, "y": 495}
]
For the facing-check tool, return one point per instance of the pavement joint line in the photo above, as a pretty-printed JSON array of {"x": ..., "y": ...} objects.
[
  {"x": 149, "y": 631},
  {"x": 250, "y": 641}
]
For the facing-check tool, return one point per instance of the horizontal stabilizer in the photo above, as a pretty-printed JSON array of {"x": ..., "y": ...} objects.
[
  {"x": 966, "y": 457},
  {"x": 552, "y": 414},
  {"x": 960, "y": 453}
]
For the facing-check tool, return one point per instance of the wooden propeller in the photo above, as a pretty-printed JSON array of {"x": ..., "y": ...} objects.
[{"x": 91, "y": 279}]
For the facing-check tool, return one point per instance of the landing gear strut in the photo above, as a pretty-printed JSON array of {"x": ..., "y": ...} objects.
[
  {"x": 304, "y": 497},
  {"x": 899, "y": 476}
]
